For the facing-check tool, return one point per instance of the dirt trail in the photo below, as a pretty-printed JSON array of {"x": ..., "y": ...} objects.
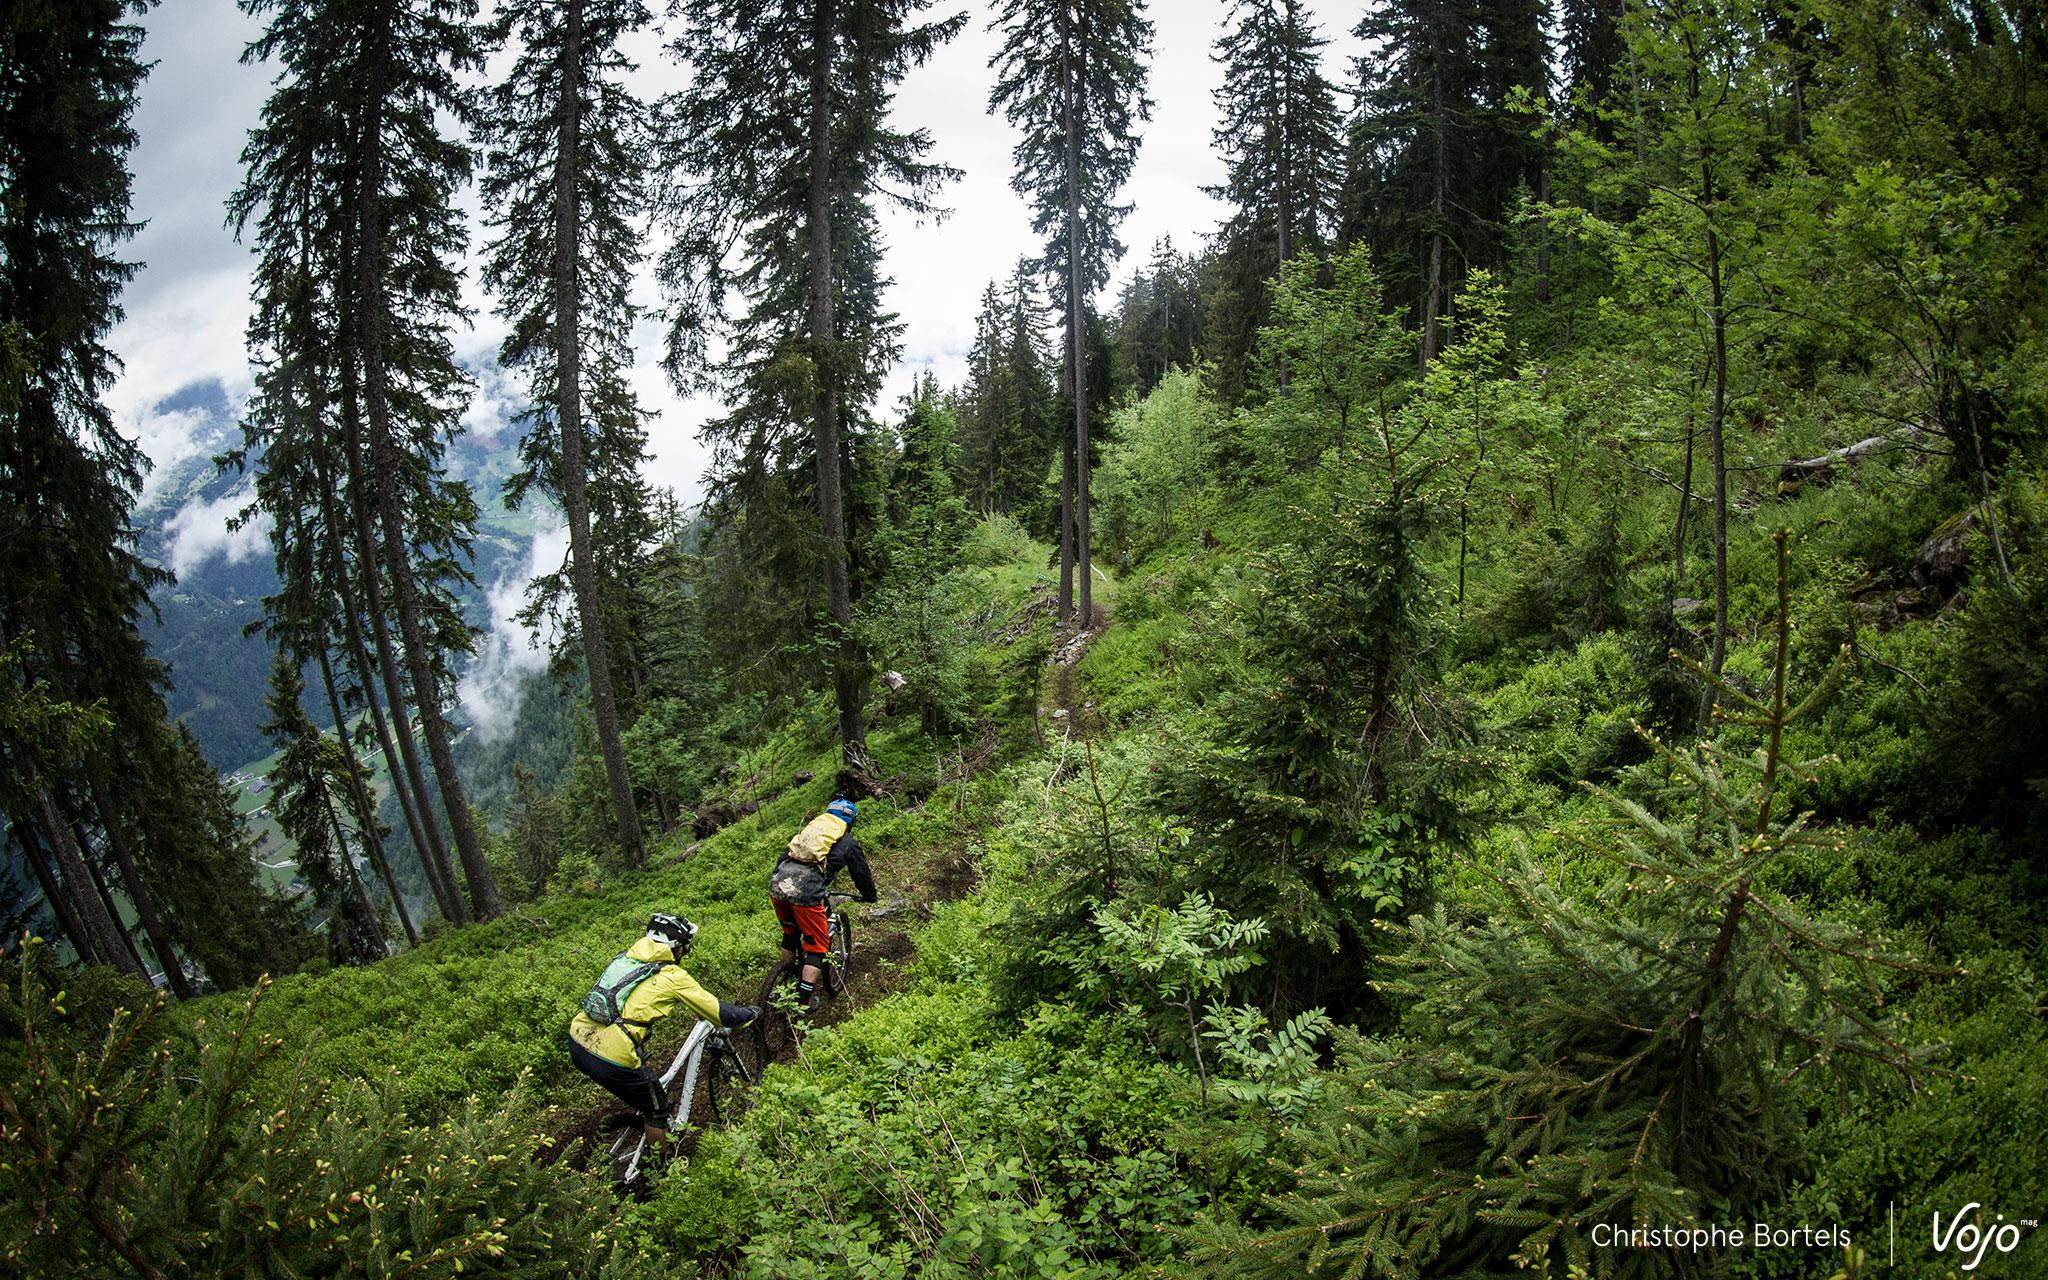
[{"x": 882, "y": 954}]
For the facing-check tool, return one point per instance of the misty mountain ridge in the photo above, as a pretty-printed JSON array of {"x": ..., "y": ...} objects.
[{"x": 218, "y": 675}]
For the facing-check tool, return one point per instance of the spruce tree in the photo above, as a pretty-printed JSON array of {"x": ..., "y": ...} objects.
[
  {"x": 1156, "y": 325},
  {"x": 914, "y": 620},
  {"x": 1280, "y": 137},
  {"x": 1591, "y": 54},
  {"x": 567, "y": 183},
  {"x": 1071, "y": 76},
  {"x": 310, "y": 770},
  {"x": 1009, "y": 415},
  {"x": 293, "y": 429},
  {"x": 782, "y": 145},
  {"x": 1575, "y": 1062},
  {"x": 68, "y": 480},
  {"x": 1439, "y": 151},
  {"x": 1331, "y": 785},
  {"x": 350, "y": 157}
]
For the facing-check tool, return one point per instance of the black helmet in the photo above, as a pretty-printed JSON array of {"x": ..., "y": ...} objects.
[{"x": 671, "y": 929}]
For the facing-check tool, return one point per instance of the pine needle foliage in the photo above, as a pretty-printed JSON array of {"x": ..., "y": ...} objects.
[
  {"x": 167, "y": 1161},
  {"x": 1636, "y": 1059}
]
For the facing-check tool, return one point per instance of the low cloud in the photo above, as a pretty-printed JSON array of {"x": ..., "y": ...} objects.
[
  {"x": 199, "y": 532},
  {"x": 508, "y": 652},
  {"x": 497, "y": 397}
]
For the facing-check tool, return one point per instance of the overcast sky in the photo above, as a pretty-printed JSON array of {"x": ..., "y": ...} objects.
[{"x": 187, "y": 309}]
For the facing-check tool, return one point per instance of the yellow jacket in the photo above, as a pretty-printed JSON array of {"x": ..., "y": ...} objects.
[{"x": 656, "y": 997}]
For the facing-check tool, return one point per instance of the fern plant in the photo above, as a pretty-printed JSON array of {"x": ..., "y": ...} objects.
[{"x": 1637, "y": 1060}]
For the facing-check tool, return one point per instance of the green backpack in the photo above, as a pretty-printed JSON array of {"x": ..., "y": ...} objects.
[{"x": 606, "y": 1001}]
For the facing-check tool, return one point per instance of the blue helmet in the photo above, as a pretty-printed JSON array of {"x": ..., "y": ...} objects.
[{"x": 844, "y": 808}]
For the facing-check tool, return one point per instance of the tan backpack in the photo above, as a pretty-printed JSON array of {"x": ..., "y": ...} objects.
[{"x": 815, "y": 841}]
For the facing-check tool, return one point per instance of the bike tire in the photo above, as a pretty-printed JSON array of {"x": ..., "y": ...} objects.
[
  {"x": 842, "y": 947},
  {"x": 773, "y": 1030},
  {"x": 728, "y": 1086}
]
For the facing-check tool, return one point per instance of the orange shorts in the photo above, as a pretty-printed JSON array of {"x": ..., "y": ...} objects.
[{"x": 807, "y": 923}]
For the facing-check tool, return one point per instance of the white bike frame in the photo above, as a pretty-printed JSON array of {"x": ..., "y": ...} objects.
[{"x": 687, "y": 1062}]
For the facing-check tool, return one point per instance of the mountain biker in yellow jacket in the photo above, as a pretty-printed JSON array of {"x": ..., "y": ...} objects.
[
  {"x": 801, "y": 883},
  {"x": 610, "y": 1053}
]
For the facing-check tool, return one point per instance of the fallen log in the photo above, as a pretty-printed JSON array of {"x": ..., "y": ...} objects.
[{"x": 1798, "y": 472}]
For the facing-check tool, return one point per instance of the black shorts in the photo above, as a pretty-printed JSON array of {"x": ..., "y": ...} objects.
[{"x": 637, "y": 1087}]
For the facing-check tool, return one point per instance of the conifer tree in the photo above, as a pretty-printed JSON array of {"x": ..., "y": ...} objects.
[
  {"x": 1637, "y": 1053},
  {"x": 1327, "y": 790},
  {"x": 1281, "y": 141},
  {"x": 309, "y": 770},
  {"x": 68, "y": 480},
  {"x": 782, "y": 145},
  {"x": 567, "y": 183},
  {"x": 913, "y": 618},
  {"x": 1071, "y": 76},
  {"x": 1157, "y": 320},
  {"x": 289, "y": 424},
  {"x": 1438, "y": 150},
  {"x": 1009, "y": 415},
  {"x": 351, "y": 144},
  {"x": 1591, "y": 53}
]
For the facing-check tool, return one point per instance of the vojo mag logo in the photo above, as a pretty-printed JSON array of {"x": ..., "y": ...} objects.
[{"x": 1969, "y": 1237}]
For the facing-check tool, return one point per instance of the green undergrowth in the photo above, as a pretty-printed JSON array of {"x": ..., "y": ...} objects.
[{"x": 1026, "y": 1099}]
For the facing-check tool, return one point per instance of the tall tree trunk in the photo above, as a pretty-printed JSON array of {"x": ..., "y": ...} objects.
[
  {"x": 353, "y": 890},
  {"x": 1077, "y": 313},
  {"x": 1066, "y": 612},
  {"x": 1715, "y": 412},
  {"x": 483, "y": 888},
  {"x": 1685, "y": 486},
  {"x": 1433, "y": 280},
  {"x": 107, "y": 942},
  {"x": 366, "y": 813},
  {"x": 1285, "y": 205},
  {"x": 407, "y": 778},
  {"x": 54, "y": 893},
  {"x": 569, "y": 393},
  {"x": 83, "y": 840},
  {"x": 138, "y": 891},
  {"x": 846, "y": 681}
]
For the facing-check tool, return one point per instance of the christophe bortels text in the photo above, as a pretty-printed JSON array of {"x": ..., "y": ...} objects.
[{"x": 1761, "y": 1235}]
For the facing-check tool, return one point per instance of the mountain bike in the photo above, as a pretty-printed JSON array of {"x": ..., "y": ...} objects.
[
  {"x": 777, "y": 1025},
  {"x": 712, "y": 1062}
]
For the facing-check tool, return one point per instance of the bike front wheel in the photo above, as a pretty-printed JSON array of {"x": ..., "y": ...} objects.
[
  {"x": 773, "y": 1030},
  {"x": 842, "y": 946},
  {"x": 728, "y": 1084}
]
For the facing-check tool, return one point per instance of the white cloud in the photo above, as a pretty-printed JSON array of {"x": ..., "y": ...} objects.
[
  {"x": 200, "y": 532},
  {"x": 507, "y": 653},
  {"x": 497, "y": 397}
]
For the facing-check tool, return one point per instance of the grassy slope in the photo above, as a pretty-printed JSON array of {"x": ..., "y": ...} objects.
[{"x": 469, "y": 1011}]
